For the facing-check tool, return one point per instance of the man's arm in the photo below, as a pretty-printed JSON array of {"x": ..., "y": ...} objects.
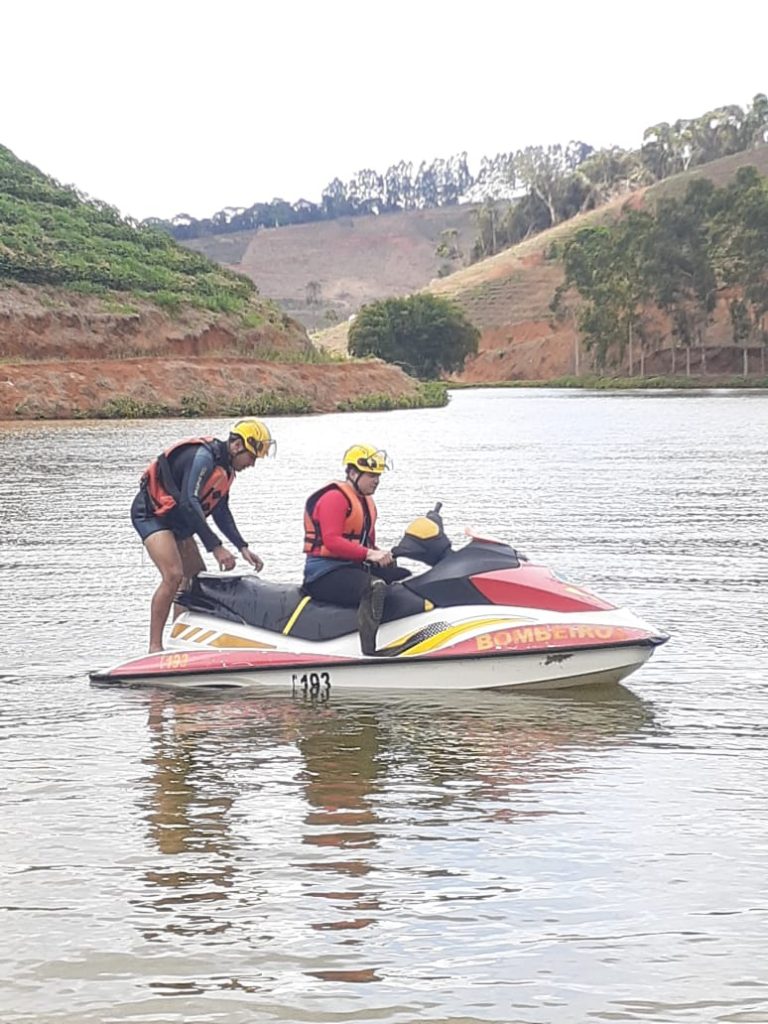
[{"x": 222, "y": 516}]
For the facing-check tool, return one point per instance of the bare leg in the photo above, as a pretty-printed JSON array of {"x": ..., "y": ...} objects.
[
  {"x": 192, "y": 564},
  {"x": 164, "y": 552}
]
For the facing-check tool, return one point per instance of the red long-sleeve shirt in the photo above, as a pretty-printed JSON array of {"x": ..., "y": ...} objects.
[{"x": 331, "y": 513}]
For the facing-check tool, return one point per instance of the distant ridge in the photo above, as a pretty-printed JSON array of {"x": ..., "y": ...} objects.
[
  {"x": 352, "y": 260},
  {"x": 507, "y": 295}
]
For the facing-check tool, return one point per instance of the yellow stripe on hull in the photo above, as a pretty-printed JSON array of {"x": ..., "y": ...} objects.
[{"x": 441, "y": 638}]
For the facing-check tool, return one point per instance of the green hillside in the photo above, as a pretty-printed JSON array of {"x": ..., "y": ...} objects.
[{"x": 52, "y": 235}]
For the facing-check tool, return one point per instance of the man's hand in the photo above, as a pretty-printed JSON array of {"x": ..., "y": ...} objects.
[
  {"x": 252, "y": 558},
  {"x": 225, "y": 558},
  {"x": 379, "y": 557}
]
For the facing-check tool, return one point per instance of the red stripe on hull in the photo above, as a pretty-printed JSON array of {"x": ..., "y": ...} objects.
[{"x": 185, "y": 662}]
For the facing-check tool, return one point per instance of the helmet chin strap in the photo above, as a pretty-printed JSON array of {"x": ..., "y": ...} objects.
[{"x": 354, "y": 482}]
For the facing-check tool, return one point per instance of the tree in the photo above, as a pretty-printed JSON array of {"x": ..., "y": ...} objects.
[
  {"x": 740, "y": 233},
  {"x": 488, "y": 241},
  {"x": 679, "y": 264},
  {"x": 425, "y": 334},
  {"x": 448, "y": 246},
  {"x": 662, "y": 151},
  {"x": 334, "y": 200},
  {"x": 607, "y": 266},
  {"x": 548, "y": 174},
  {"x": 588, "y": 258},
  {"x": 313, "y": 291},
  {"x": 449, "y": 250},
  {"x": 756, "y": 122}
]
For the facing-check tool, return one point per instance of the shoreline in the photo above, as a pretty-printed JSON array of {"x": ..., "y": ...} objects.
[{"x": 719, "y": 383}]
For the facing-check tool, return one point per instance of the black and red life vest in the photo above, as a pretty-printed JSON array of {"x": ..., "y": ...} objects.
[{"x": 163, "y": 490}]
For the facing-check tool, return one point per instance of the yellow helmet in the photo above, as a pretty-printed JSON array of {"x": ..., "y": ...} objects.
[
  {"x": 255, "y": 436},
  {"x": 366, "y": 458}
]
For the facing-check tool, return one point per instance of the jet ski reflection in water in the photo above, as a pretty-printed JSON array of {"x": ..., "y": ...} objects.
[{"x": 481, "y": 617}]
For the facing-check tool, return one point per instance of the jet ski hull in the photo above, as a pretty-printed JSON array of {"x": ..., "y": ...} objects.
[
  {"x": 506, "y": 649},
  {"x": 528, "y": 671}
]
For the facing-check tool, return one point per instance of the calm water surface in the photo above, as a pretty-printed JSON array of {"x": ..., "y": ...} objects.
[{"x": 586, "y": 856}]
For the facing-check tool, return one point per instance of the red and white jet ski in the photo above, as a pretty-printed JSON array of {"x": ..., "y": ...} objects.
[{"x": 481, "y": 617}]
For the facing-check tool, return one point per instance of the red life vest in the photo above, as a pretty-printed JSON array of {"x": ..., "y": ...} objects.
[
  {"x": 163, "y": 490},
  {"x": 359, "y": 524}
]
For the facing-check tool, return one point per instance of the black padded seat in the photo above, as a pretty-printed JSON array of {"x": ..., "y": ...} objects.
[{"x": 271, "y": 605}]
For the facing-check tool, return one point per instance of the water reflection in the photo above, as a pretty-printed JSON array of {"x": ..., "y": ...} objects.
[
  {"x": 236, "y": 785},
  {"x": 187, "y": 818}
]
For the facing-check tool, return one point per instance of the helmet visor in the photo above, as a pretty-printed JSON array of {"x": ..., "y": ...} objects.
[
  {"x": 260, "y": 449},
  {"x": 376, "y": 462}
]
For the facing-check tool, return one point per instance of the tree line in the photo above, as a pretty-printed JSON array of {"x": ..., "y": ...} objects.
[
  {"x": 440, "y": 183},
  {"x": 542, "y": 185},
  {"x": 555, "y": 183},
  {"x": 676, "y": 260}
]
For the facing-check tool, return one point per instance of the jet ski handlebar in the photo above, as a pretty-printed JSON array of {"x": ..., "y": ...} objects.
[{"x": 425, "y": 541}]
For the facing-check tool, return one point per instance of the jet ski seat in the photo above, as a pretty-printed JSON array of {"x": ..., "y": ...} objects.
[{"x": 284, "y": 607}]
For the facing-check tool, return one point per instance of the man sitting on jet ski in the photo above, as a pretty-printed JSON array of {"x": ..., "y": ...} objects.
[
  {"x": 179, "y": 489},
  {"x": 343, "y": 565}
]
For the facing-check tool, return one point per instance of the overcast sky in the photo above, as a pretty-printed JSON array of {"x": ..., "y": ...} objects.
[{"x": 165, "y": 107}]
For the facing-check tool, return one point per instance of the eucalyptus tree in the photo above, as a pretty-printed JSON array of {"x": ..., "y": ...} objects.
[
  {"x": 662, "y": 150},
  {"x": 679, "y": 265},
  {"x": 546, "y": 172},
  {"x": 588, "y": 258},
  {"x": 609, "y": 170},
  {"x": 740, "y": 252},
  {"x": 756, "y": 122},
  {"x": 487, "y": 217},
  {"x": 607, "y": 266}
]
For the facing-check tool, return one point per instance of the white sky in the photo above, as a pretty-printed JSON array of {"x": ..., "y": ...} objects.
[{"x": 166, "y": 107}]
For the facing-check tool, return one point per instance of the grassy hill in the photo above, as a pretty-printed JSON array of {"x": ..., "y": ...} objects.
[
  {"x": 51, "y": 235},
  {"x": 353, "y": 260},
  {"x": 102, "y": 317}
]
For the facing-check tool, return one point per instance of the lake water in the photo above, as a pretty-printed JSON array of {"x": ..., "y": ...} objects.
[{"x": 229, "y": 859}]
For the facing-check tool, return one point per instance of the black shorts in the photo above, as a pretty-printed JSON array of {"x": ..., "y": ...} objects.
[
  {"x": 145, "y": 522},
  {"x": 343, "y": 586},
  {"x": 346, "y": 585}
]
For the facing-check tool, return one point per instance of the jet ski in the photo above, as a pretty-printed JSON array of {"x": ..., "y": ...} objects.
[{"x": 481, "y": 616}]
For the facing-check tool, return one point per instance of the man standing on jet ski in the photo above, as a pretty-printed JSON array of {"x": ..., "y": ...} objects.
[
  {"x": 343, "y": 564},
  {"x": 182, "y": 487}
]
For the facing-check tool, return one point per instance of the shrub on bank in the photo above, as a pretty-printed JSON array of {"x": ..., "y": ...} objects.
[{"x": 431, "y": 394}]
